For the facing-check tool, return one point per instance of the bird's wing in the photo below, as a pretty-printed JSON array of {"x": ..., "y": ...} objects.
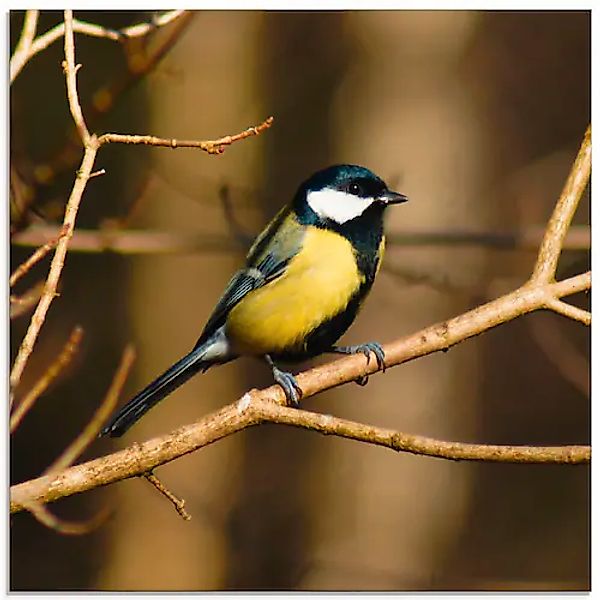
[{"x": 267, "y": 260}]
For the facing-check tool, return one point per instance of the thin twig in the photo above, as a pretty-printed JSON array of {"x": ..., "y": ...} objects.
[
  {"x": 570, "y": 311},
  {"x": 22, "y": 51},
  {"x": 178, "y": 503},
  {"x": 211, "y": 146},
  {"x": 70, "y": 69},
  {"x": 45, "y": 517},
  {"x": 552, "y": 244},
  {"x": 52, "y": 372},
  {"x": 91, "y": 430},
  {"x": 23, "y": 268},
  {"x": 21, "y": 305},
  {"x": 141, "y": 60},
  {"x": 43, "y": 41}
]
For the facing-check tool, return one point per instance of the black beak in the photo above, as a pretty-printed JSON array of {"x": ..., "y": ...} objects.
[{"x": 389, "y": 197}]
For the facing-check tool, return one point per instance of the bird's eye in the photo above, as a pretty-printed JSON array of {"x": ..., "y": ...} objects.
[{"x": 354, "y": 188}]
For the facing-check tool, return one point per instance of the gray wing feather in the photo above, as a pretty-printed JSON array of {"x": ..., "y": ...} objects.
[{"x": 266, "y": 261}]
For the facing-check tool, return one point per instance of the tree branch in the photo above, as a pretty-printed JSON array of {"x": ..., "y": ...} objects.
[
  {"x": 178, "y": 503},
  {"x": 49, "y": 376},
  {"x": 46, "y": 518},
  {"x": 20, "y": 305},
  {"x": 556, "y": 230},
  {"x": 211, "y": 146},
  {"x": 570, "y": 311},
  {"x": 22, "y": 52},
  {"x": 24, "y": 267}
]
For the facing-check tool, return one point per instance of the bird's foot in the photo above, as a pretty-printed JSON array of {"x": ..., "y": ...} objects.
[
  {"x": 366, "y": 349},
  {"x": 288, "y": 383}
]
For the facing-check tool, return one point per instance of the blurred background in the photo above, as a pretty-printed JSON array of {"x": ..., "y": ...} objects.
[{"x": 476, "y": 116}]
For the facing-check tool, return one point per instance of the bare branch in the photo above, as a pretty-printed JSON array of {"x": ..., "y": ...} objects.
[
  {"x": 211, "y": 146},
  {"x": 90, "y": 432},
  {"x": 70, "y": 69},
  {"x": 141, "y": 59},
  {"x": 45, "y": 517},
  {"x": 21, "y": 305},
  {"x": 263, "y": 406},
  {"x": 56, "y": 266},
  {"x": 570, "y": 311},
  {"x": 50, "y": 375},
  {"x": 547, "y": 261},
  {"x": 526, "y": 238},
  {"x": 22, "y": 52},
  {"x": 23, "y": 268},
  {"x": 250, "y": 410},
  {"x": 270, "y": 412}
]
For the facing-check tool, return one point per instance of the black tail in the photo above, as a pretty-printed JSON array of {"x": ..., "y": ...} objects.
[{"x": 152, "y": 394}]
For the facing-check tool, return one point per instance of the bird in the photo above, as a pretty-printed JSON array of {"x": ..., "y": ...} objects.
[{"x": 303, "y": 282}]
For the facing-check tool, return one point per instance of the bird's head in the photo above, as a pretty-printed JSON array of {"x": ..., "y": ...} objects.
[{"x": 342, "y": 193}]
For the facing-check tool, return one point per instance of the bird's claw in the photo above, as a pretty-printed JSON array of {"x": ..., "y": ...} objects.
[
  {"x": 290, "y": 386},
  {"x": 366, "y": 349}
]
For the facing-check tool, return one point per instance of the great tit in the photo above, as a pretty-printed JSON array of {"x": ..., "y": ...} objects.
[{"x": 304, "y": 280}]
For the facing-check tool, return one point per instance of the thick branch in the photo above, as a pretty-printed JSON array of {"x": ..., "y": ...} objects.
[
  {"x": 269, "y": 412},
  {"x": 253, "y": 408}
]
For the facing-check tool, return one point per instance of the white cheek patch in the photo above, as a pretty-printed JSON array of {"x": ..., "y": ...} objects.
[{"x": 337, "y": 206}]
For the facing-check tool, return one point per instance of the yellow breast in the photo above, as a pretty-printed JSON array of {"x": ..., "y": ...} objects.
[{"x": 317, "y": 285}]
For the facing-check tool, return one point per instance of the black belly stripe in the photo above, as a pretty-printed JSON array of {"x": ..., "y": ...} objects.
[{"x": 326, "y": 334}]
